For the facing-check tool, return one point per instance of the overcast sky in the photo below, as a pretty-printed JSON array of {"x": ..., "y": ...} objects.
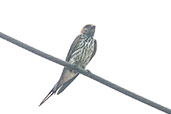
[{"x": 134, "y": 51}]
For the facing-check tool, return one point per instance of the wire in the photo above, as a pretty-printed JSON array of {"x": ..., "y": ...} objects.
[{"x": 86, "y": 73}]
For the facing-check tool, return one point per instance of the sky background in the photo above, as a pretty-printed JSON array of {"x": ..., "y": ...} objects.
[{"x": 134, "y": 51}]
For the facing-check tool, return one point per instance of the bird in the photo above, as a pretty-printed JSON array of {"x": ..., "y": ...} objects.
[{"x": 80, "y": 54}]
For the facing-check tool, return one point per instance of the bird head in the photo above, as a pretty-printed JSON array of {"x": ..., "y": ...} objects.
[{"x": 88, "y": 30}]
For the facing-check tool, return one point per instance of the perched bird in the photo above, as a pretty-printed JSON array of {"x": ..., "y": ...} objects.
[{"x": 81, "y": 52}]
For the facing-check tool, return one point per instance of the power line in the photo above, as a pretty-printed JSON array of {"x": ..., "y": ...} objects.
[{"x": 86, "y": 73}]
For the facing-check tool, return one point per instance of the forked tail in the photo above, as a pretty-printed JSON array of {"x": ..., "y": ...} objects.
[{"x": 53, "y": 91}]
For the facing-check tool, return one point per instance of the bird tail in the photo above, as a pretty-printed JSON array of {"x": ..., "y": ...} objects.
[
  {"x": 53, "y": 91},
  {"x": 65, "y": 85}
]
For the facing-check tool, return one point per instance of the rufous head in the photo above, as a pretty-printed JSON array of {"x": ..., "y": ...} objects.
[{"x": 88, "y": 30}]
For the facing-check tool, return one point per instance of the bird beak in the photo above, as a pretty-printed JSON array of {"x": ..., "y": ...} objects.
[
  {"x": 47, "y": 97},
  {"x": 94, "y": 26}
]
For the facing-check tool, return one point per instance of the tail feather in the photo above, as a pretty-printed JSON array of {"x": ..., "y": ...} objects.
[{"x": 53, "y": 91}]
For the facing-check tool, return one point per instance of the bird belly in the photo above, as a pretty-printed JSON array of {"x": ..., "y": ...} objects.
[
  {"x": 85, "y": 58},
  {"x": 81, "y": 57}
]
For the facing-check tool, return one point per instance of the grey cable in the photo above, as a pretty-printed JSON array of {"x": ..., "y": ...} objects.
[{"x": 86, "y": 73}]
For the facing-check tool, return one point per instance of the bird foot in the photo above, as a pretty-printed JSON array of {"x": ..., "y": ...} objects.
[
  {"x": 89, "y": 72},
  {"x": 75, "y": 67}
]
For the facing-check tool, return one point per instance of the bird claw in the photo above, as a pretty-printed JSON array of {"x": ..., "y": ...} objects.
[
  {"x": 75, "y": 66},
  {"x": 89, "y": 72}
]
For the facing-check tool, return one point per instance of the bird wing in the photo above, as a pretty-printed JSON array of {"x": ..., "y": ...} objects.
[
  {"x": 72, "y": 47},
  {"x": 67, "y": 76}
]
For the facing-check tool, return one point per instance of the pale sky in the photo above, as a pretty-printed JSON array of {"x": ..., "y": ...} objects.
[{"x": 134, "y": 51}]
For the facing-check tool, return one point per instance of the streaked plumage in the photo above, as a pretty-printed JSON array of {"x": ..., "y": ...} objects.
[{"x": 81, "y": 52}]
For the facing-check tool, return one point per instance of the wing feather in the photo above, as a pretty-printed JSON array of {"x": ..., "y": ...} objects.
[
  {"x": 65, "y": 84},
  {"x": 72, "y": 48}
]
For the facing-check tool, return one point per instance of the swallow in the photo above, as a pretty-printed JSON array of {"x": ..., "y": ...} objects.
[{"x": 80, "y": 54}]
